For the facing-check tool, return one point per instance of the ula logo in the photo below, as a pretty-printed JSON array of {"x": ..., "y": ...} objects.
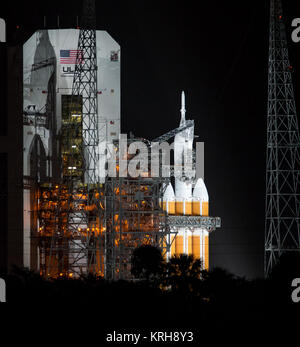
[
  {"x": 2, "y": 30},
  {"x": 296, "y": 291},
  {"x": 296, "y": 32},
  {"x": 2, "y": 290}
]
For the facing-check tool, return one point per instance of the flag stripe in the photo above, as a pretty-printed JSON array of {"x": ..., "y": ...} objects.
[{"x": 70, "y": 56}]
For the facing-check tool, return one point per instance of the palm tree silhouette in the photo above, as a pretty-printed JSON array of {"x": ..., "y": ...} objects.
[
  {"x": 147, "y": 263},
  {"x": 184, "y": 273}
]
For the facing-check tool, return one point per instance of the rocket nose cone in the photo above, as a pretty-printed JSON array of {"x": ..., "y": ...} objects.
[
  {"x": 200, "y": 190},
  {"x": 169, "y": 193}
]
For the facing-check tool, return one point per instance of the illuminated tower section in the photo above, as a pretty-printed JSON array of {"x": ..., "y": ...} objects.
[{"x": 49, "y": 60}]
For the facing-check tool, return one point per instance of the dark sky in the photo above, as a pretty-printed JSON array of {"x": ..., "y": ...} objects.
[{"x": 217, "y": 51}]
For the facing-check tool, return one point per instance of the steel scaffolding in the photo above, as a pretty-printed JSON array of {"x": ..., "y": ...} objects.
[
  {"x": 70, "y": 208},
  {"x": 282, "y": 228},
  {"x": 85, "y": 226},
  {"x": 133, "y": 217},
  {"x": 208, "y": 223}
]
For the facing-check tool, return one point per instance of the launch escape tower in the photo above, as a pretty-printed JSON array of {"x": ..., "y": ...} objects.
[{"x": 282, "y": 225}]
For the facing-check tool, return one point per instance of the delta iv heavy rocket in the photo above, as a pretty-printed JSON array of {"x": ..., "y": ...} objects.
[{"x": 186, "y": 200}]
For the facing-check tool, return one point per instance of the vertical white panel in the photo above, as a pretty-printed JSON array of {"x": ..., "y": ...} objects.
[{"x": 26, "y": 235}]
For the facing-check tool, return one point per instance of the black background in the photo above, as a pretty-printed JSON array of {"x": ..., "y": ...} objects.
[{"x": 217, "y": 52}]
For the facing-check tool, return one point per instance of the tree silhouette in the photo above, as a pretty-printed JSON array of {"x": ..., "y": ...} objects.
[
  {"x": 147, "y": 263},
  {"x": 184, "y": 273},
  {"x": 218, "y": 285}
]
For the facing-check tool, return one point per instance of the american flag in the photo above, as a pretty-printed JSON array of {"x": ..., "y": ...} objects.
[{"x": 68, "y": 56}]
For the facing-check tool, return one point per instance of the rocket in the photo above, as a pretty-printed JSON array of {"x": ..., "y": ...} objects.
[{"x": 185, "y": 200}]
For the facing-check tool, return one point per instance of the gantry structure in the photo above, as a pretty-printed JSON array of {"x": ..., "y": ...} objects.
[
  {"x": 282, "y": 212},
  {"x": 91, "y": 226},
  {"x": 70, "y": 228}
]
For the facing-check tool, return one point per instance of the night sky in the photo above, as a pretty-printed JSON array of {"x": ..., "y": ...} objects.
[{"x": 217, "y": 52}]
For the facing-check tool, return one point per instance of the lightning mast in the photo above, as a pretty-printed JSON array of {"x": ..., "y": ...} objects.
[{"x": 282, "y": 227}]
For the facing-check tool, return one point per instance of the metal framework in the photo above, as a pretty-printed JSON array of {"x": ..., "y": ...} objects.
[
  {"x": 133, "y": 217},
  {"x": 282, "y": 228},
  {"x": 207, "y": 223},
  {"x": 69, "y": 211},
  {"x": 88, "y": 227},
  {"x": 188, "y": 123}
]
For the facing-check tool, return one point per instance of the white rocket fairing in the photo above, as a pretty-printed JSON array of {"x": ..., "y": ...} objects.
[
  {"x": 200, "y": 198},
  {"x": 169, "y": 200},
  {"x": 169, "y": 193},
  {"x": 183, "y": 156},
  {"x": 185, "y": 200}
]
